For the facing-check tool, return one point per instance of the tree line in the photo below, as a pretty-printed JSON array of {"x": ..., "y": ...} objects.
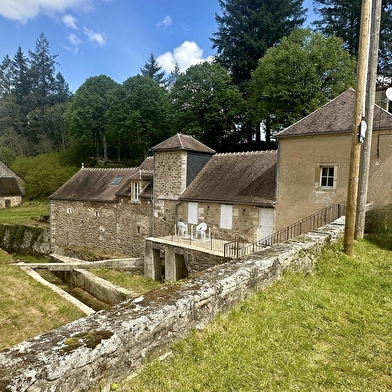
[
  {"x": 268, "y": 73},
  {"x": 33, "y": 99}
]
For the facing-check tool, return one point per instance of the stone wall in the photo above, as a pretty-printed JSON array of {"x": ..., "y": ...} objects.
[
  {"x": 25, "y": 239},
  {"x": 245, "y": 220},
  {"x": 91, "y": 353},
  {"x": 118, "y": 227},
  {"x": 12, "y": 200},
  {"x": 169, "y": 174}
]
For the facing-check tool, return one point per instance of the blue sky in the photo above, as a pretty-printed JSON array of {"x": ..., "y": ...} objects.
[{"x": 111, "y": 37}]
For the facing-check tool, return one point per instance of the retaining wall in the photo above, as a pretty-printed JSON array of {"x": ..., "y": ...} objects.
[
  {"x": 108, "y": 346},
  {"x": 28, "y": 239}
]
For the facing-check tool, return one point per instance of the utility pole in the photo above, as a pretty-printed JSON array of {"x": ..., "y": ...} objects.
[
  {"x": 352, "y": 190},
  {"x": 369, "y": 113}
]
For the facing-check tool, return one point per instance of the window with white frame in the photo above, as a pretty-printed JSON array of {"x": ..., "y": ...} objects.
[
  {"x": 136, "y": 190},
  {"x": 193, "y": 213},
  {"x": 226, "y": 217},
  {"x": 327, "y": 176}
]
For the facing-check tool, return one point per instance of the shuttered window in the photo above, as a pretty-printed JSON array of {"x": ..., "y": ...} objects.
[
  {"x": 193, "y": 213},
  {"x": 226, "y": 217}
]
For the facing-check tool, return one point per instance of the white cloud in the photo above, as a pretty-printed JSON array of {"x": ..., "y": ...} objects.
[
  {"x": 22, "y": 10},
  {"x": 185, "y": 55},
  {"x": 93, "y": 36},
  {"x": 167, "y": 21},
  {"x": 74, "y": 39},
  {"x": 70, "y": 21},
  {"x": 75, "y": 42}
]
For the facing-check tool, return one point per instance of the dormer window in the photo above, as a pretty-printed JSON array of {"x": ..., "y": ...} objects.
[
  {"x": 117, "y": 180},
  {"x": 136, "y": 190}
]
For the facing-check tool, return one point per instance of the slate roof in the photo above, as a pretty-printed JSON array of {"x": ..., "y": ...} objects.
[
  {"x": 243, "y": 178},
  {"x": 9, "y": 187},
  {"x": 94, "y": 185},
  {"x": 182, "y": 142},
  {"x": 335, "y": 117},
  {"x": 90, "y": 184}
]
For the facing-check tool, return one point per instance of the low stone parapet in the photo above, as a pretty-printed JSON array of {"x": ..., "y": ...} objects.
[{"x": 91, "y": 353}]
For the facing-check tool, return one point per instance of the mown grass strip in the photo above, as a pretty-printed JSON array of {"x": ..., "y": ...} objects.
[
  {"x": 27, "y": 308},
  {"x": 135, "y": 283},
  {"x": 26, "y": 214},
  {"x": 325, "y": 331}
]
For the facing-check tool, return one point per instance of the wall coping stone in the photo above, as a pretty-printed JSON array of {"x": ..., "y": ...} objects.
[{"x": 91, "y": 353}]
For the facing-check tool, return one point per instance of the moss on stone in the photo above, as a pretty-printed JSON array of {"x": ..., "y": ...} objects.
[{"x": 86, "y": 339}]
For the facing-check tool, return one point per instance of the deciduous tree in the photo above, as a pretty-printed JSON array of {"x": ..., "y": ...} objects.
[
  {"x": 299, "y": 75},
  {"x": 139, "y": 117},
  {"x": 86, "y": 115},
  {"x": 207, "y": 105}
]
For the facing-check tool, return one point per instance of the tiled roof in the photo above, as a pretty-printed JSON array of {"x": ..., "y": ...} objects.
[
  {"x": 147, "y": 164},
  {"x": 9, "y": 187},
  {"x": 94, "y": 185},
  {"x": 244, "y": 178},
  {"x": 335, "y": 117},
  {"x": 182, "y": 142}
]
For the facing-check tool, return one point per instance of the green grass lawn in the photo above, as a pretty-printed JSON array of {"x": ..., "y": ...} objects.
[
  {"x": 135, "y": 283},
  {"x": 27, "y": 213},
  {"x": 27, "y": 308},
  {"x": 327, "y": 331}
]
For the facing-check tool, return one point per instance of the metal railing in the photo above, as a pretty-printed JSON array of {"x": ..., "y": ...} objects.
[{"x": 321, "y": 218}]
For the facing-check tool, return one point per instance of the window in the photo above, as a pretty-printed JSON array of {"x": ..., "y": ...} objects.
[
  {"x": 327, "y": 176},
  {"x": 226, "y": 218},
  {"x": 136, "y": 190},
  {"x": 193, "y": 213},
  {"x": 117, "y": 180}
]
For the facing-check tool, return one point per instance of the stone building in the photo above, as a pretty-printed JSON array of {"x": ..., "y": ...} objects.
[
  {"x": 234, "y": 194},
  {"x": 102, "y": 210},
  {"x": 237, "y": 196},
  {"x": 12, "y": 187},
  {"x": 116, "y": 209}
]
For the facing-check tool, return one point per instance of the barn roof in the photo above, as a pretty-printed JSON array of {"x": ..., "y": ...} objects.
[
  {"x": 335, "y": 117},
  {"x": 9, "y": 187},
  {"x": 94, "y": 185},
  {"x": 243, "y": 178}
]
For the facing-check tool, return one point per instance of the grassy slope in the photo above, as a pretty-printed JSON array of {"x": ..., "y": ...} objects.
[
  {"x": 25, "y": 214},
  {"x": 27, "y": 308},
  {"x": 328, "y": 331}
]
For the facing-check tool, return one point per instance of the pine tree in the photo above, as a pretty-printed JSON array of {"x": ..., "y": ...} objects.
[
  {"x": 153, "y": 70},
  {"x": 247, "y": 28},
  {"x": 6, "y": 82},
  {"x": 174, "y": 74},
  {"x": 21, "y": 75},
  {"x": 342, "y": 19},
  {"x": 62, "y": 91},
  {"x": 42, "y": 69}
]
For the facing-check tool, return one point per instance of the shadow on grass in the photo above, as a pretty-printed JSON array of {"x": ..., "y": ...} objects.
[{"x": 379, "y": 227}]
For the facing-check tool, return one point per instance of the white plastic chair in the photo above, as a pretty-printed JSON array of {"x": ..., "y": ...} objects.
[
  {"x": 182, "y": 228},
  {"x": 201, "y": 230}
]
